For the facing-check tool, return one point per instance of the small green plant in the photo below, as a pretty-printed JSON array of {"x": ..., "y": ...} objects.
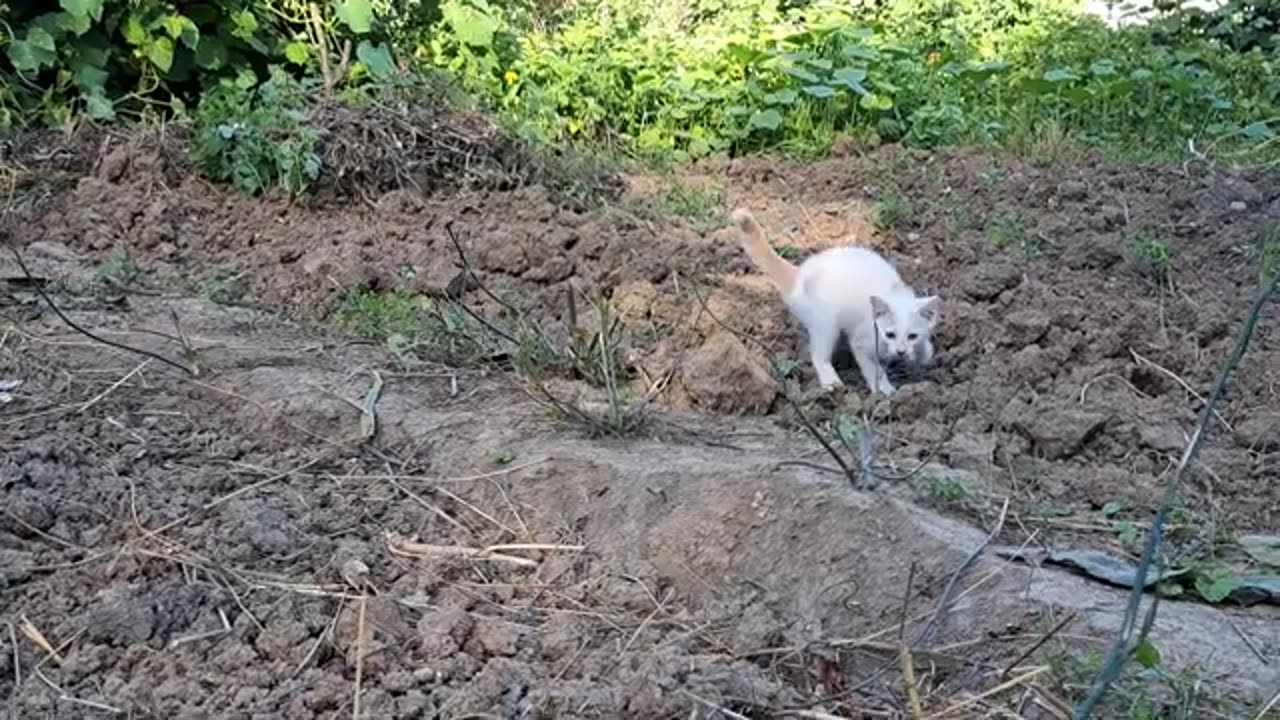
[
  {"x": 224, "y": 287},
  {"x": 257, "y": 136},
  {"x": 118, "y": 271},
  {"x": 891, "y": 210},
  {"x": 380, "y": 315},
  {"x": 701, "y": 205},
  {"x": 1152, "y": 256},
  {"x": 944, "y": 489},
  {"x": 1008, "y": 229},
  {"x": 959, "y": 219},
  {"x": 1216, "y": 584}
]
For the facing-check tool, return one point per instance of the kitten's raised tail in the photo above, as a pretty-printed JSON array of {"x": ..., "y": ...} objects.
[{"x": 780, "y": 272}]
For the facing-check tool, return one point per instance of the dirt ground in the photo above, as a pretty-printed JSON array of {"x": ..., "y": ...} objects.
[{"x": 229, "y": 546}]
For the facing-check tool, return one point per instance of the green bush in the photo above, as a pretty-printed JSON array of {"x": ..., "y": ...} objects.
[
  {"x": 257, "y": 136},
  {"x": 103, "y": 57},
  {"x": 668, "y": 78}
]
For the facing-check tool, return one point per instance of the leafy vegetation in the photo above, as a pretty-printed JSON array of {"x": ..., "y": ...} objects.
[
  {"x": 1152, "y": 256},
  {"x": 105, "y": 57},
  {"x": 257, "y": 136},
  {"x": 670, "y": 79},
  {"x": 666, "y": 79}
]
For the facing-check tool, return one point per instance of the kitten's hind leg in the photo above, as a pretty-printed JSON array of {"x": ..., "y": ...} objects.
[{"x": 822, "y": 344}]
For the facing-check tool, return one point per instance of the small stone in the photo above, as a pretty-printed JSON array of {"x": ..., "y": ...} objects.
[
  {"x": 1238, "y": 206},
  {"x": 1073, "y": 190}
]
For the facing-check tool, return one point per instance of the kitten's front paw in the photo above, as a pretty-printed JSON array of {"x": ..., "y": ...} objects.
[
  {"x": 828, "y": 379},
  {"x": 884, "y": 387}
]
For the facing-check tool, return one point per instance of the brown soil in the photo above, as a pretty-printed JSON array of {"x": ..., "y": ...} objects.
[{"x": 144, "y": 510}]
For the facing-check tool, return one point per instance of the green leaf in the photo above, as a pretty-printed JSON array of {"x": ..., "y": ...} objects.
[
  {"x": 1216, "y": 584},
  {"x": 875, "y": 101},
  {"x": 1058, "y": 75},
  {"x": 786, "y": 96},
  {"x": 91, "y": 9},
  {"x": 377, "y": 58},
  {"x": 90, "y": 78},
  {"x": 1257, "y": 131},
  {"x": 134, "y": 31},
  {"x": 98, "y": 107},
  {"x": 848, "y": 428},
  {"x": 180, "y": 27},
  {"x": 800, "y": 73},
  {"x": 766, "y": 120},
  {"x": 986, "y": 69},
  {"x": 37, "y": 50},
  {"x": 1146, "y": 654},
  {"x": 851, "y": 77},
  {"x": 857, "y": 52},
  {"x": 469, "y": 25},
  {"x": 1102, "y": 68},
  {"x": 160, "y": 53},
  {"x": 1112, "y": 508},
  {"x": 819, "y": 91},
  {"x": 75, "y": 24},
  {"x": 298, "y": 52},
  {"x": 357, "y": 15},
  {"x": 245, "y": 24},
  {"x": 1262, "y": 548}
]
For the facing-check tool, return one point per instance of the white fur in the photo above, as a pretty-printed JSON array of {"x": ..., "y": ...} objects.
[{"x": 856, "y": 291}]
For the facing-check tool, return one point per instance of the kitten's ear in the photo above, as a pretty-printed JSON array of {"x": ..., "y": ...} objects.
[
  {"x": 879, "y": 308},
  {"x": 930, "y": 309}
]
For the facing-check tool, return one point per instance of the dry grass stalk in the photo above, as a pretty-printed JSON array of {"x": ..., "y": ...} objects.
[
  {"x": 404, "y": 547},
  {"x": 32, "y": 633}
]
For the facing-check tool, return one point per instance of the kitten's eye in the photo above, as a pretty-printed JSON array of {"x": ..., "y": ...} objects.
[
  {"x": 890, "y": 335},
  {"x": 912, "y": 336}
]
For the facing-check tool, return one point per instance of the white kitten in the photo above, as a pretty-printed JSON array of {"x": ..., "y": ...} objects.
[{"x": 854, "y": 290}]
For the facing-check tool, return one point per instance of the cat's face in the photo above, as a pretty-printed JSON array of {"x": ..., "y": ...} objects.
[{"x": 903, "y": 328}]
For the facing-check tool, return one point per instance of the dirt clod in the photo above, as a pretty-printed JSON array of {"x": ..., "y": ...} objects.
[{"x": 725, "y": 375}]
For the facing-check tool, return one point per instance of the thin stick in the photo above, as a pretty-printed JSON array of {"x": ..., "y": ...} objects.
[
  {"x": 945, "y": 603},
  {"x": 1247, "y": 641},
  {"x": 1267, "y": 708},
  {"x": 328, "y": 632},
  {"x": 62, "y": 695},
  {"x": 707, "y": 703},
  {"x": 360, "y": 647},
  {"x": 407, "y": 548},
  {"x": 1036, "y": 646},
  {"x": 429, "y": 507},
  {"x": 1122, "y": 647},
  {"x": 1185, "y": 385},
  {"x": 225, "y": 498},
  {"x": 909, "y": 680},
  {"x": 97, "y": 398},
  {"x": 17, "y": 658},
  {"x": 1021, "y": 679},
  {"x": 72, "y": 324},
  {"x": 497, "y": 523},
  {"x": 226, "y": 628}
]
